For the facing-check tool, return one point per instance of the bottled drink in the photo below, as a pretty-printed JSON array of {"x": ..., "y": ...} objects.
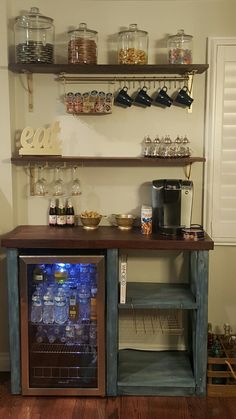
[
  {"x": 93, "y": 333},
  {"x": 61, "y": 307},
  {"x": 70, "y": 333},
  {"x": 61, "y": 213},
  {"x": 52, "y": 215},
  {"x": 60, "y": 273},
  {"x": 36, "y": 307},
  {"x": 84, "y": 302},
  {"x": 70, "y": 214},
  {"x": 78, "y": 333},
  {"x": 40, "y": 336},
  {"x": 93, "y": 303},
  {"x": 73, "y": 304},
  {"x": 38, "y": 274},
  {"x": 48, "y": 307}
]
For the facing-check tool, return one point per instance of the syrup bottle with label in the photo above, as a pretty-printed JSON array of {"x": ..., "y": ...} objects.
[
  {"x": 52, "y": 214},
  {"x": 70, "y": 214}
]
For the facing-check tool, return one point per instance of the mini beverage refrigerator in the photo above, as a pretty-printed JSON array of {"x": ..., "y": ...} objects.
[{"x": 62, "y": 324}]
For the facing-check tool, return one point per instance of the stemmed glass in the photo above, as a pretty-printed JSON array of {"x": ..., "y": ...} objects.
[
  {"x": 75, "y": 187},
  {"x": 40, "y": 187},
  {"x": 58, "y": 184}
]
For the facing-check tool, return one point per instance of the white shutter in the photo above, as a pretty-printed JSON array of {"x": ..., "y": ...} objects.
[{"x": 220, "y": 182}]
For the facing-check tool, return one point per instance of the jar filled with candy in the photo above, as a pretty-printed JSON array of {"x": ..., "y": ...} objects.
[
  {"x": 82, "y": 46},
  {"x": 34, "y": 38},
  {"x": 133, "y": 46},
  {"x": 180, "y": 48}
]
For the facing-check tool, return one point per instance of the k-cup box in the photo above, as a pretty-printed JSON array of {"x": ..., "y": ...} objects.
[{"x": 146, "y": 219}]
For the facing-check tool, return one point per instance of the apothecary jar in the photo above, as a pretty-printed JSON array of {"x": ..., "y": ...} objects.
[
  {"x": 132, "y": 46},
  {"x": 34, "y": 38},
  {"x": 82, "y": 45},
  {"x": 180, "y": 48}
]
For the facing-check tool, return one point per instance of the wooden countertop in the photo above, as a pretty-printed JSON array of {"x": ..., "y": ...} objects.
[{"x": 37, "y": 237}]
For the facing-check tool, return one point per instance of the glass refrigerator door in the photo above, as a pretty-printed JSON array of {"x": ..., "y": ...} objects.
[{"x": 62, "y": 325}]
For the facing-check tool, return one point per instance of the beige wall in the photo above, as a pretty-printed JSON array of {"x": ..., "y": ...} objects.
[{"x": 123, "y": 131}]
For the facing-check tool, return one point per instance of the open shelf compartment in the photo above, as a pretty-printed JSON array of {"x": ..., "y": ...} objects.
[{"x": 155, "y": 372}]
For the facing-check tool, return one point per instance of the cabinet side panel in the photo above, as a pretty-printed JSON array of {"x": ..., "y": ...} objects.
[
  {"x": 112, "y": 328},
  {"x": 13, "y": 310},
  {"x": 199, "y": 284}
]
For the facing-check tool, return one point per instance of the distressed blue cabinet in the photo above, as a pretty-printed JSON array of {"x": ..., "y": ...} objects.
[{"x": 128, "y": 371}]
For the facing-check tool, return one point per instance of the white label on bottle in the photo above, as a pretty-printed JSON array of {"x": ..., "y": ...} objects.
[
  {"x": 70, "y": 219},
  {"x": 52, "y": 219},
  {"x": 61, "y": 220}
]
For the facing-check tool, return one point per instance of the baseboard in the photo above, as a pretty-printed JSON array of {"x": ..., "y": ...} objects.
[{"x": 4, "y": 361}]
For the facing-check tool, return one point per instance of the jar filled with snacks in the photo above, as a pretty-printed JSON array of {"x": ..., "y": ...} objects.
[
  {"x": 180, "y": 48},
  {"x": 82, "y": 46},
  {"x": 34, "y": 38},
  {"x": 133, "y": 46}
]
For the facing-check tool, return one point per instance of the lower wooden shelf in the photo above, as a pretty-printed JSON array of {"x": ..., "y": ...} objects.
[{"x": 155, "y": 373}]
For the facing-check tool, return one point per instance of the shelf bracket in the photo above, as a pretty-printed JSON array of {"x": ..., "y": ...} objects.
[{"x": 30, "y": 91}]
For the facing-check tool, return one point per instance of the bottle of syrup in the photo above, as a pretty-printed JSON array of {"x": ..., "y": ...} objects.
[
  {"x": 52, "y": 214},
  {"x": 70, "y": 214}
]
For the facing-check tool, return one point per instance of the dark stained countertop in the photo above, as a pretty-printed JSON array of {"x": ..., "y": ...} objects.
[{"x": 39, "y": 236}]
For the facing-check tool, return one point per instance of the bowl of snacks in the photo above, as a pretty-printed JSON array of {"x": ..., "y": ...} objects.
[
  {"x": 124, "y": 221},
  {"x": 90, "y": 219}
]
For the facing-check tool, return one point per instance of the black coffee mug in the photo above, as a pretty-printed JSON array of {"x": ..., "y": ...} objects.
[
  {"x": 142, "y": 98},
  {"x": 163, "y": 98},
  {"x": 183, "y": 98},
  {"x": 122, "y": 98}
]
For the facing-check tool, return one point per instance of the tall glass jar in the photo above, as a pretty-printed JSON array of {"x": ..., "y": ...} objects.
[
  {"x": 133, "y": 46},
  {"x": 82, "y": 46},
  {"x": 34, "y": 38},
  {"x": 180, "y": 48}
]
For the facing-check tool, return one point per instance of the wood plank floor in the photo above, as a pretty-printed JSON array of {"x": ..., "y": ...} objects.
[{"x": 19, "y": 407}]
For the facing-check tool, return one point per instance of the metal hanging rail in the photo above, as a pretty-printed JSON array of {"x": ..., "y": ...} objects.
[{"x": 113, "y": 79}]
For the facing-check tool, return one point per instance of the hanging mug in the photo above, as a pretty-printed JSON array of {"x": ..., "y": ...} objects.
[
  {"x": 142, "y": 98},
  {"x": 183, "y": 98},
  {"x": 163, "y": 98},
  {"x": 122, "y": 98}
]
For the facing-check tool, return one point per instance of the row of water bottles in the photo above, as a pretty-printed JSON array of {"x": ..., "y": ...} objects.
[
  {"x": 61, "y": 298},
  {"x": 81, "y": 333}
]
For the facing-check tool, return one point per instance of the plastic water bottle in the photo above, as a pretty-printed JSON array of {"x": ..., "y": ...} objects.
[
  {"x": 36, "y": 307},
  {"x": 48, "y": 307},
  {"x": 61, "y": 307},
  {"x": 84, "y": 302},
  {"x": 40, "y": 336}
]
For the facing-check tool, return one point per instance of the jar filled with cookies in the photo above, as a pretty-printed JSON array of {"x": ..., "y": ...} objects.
[
  {"x": 133, "y": 46},
  {"x": 82, "y": 45}
]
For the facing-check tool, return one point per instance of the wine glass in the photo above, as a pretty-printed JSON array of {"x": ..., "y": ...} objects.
[
  {"x": 40, "y": 187},
  {"x": 75, "y": 187},
  {"x": 58, "y": 184}
]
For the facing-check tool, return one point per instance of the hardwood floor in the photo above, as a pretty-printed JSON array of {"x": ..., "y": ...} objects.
[{"x": 19, "y": 407}]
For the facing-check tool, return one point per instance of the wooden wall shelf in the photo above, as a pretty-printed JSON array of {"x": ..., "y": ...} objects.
[
  {"x": 180, "y": 69},
  {"x": 106, "y": 161}
]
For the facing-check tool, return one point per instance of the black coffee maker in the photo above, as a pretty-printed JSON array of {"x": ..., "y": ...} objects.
[{"x": 171, "y": 205}]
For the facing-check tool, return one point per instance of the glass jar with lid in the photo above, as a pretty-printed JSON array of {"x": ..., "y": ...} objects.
[
  {"x": 82, "y": 46},
  {"x": 133, "y": 46},
  {"x": 180, "y": 48},
  {"x": 34, "y": 38}
]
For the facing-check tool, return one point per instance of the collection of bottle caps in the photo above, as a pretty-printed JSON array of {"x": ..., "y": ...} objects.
[
  {"x": 61, "y": 213},
  {"x": 166, "y": 147},
  {"x": 64, "y": 303}
]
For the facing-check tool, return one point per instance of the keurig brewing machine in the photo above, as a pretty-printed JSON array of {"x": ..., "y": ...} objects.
[{"x": 171, "y": 205}]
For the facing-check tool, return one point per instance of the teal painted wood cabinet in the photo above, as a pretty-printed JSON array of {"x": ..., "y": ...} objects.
[{"x": 128, "y": 371}]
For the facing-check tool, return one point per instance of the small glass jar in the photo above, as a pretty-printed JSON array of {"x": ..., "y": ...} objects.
[
  {"x": 82, "y": 46},
  {"x": 133, "y": 46},
  {"x": 180, "y": 48},
  {"x": 34, "y": 38}
]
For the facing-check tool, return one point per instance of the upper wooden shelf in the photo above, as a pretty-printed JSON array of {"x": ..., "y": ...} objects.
[
  {"x": 180, "y": 69},
  {"x": 107, "y": 161}
]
